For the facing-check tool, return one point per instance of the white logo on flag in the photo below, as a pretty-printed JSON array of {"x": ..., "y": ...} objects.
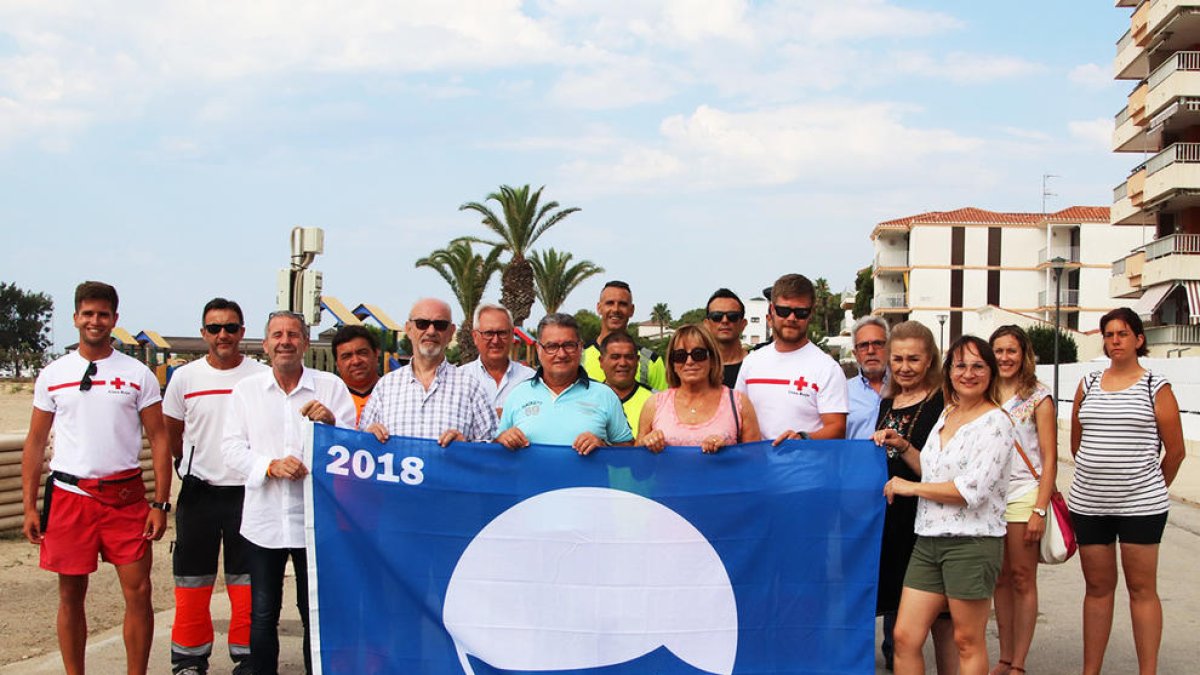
[{"x": 590, "y": 577}]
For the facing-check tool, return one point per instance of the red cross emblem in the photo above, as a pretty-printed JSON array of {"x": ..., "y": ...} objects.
[
  {"x": 118, "y": 383},
  {"x": 800, "y": 383}
]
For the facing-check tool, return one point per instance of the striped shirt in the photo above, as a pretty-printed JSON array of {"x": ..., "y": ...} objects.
[
  {"x": 454, "y": 400},
  {"x": 1117, "y": 471}
]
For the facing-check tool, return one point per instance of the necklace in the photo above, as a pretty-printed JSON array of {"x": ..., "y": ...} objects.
[{"x": 890, "y": 421}]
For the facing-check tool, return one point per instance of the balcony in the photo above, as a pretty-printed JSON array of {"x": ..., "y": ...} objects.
[
  {"x": 1177, "y": 77},
  {"x": 1068, "y": 253},
  {"x": 1068, "y": 297},
  {"x": 1131, "y": 62},
  {"x": 1126, "y": 279},
  {"x": 1126, "y": 210},
  {"x": 1156, "y": 27},
  {"x": 1173, "y": 335},
  {"x": 889, "y": 302},
  {"x": 891, "y": 258},
  {"x": 1174, "y": 170},
  {"x": 1175, "y": 257}
]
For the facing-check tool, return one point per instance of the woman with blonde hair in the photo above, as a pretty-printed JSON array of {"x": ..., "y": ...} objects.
[
  {"x": 1031, "y": 483},
  {"x": 696, "y": 409},
  {"x": 912, "y": 402}
]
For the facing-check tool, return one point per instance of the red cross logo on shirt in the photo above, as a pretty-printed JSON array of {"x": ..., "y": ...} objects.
[
  {"x": 800, "y": 383},
  {"x": 118, "y": 383}
]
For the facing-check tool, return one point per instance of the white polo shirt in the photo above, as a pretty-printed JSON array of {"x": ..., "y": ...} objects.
[
  {"x": 198, "y": 395},
  {"x": 515, "y": 374},
  {"x": 262, "y": 424},
  {"x": 96, "y": 432},
  {"x": 791, "y": 390}
]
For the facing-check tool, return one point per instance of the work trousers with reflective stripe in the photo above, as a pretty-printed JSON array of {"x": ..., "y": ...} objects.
[{"x": 207, "y": 516}]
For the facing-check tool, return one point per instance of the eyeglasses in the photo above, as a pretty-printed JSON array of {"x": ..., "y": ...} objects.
[
  {"x": 216, "y": 328},
  {"x": 698, "y": 354},
  {"x": 491, "y": 335},
  {"x": 731, "y": 317},
  {"x": 553, "y": 347},
  {"x": 438, "y": 324},
  {"x": 86, "y": 383},
  {"x": 866, "y": 345},
  {"x": 783, "y": 311}
]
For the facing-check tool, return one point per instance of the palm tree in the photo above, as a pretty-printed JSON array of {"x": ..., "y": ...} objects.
[
  {"x": 468, "y": 274},
  {"x": 522, "y": 223},
  {"x": 661, "y": 315},
  {"x": 554, "y": 276}
]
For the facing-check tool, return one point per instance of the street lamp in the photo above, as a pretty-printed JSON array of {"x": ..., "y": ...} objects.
[
  {"x": 941, "y": 332},
  {"x": 1057, "y": 264}
]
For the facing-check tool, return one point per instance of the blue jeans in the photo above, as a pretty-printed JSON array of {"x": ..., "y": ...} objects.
[{"x": 266, "y": 600}]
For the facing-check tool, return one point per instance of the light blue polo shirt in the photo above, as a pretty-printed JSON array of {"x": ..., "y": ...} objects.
[{"x": 548, "y": 420}]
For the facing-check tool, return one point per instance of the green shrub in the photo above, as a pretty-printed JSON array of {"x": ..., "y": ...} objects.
[{"x": 1042, "y": 338}]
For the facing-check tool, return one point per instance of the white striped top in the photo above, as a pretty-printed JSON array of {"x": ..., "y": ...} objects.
[{"x": 1117, "y": 471}]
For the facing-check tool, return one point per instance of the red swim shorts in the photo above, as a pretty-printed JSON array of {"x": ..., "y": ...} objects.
[{"x": 82, "y": 529}]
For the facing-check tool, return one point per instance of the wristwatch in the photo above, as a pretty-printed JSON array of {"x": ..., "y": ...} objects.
[
  {"x": 1040, "y": 512},
  {"x": 165, "y": 507}
]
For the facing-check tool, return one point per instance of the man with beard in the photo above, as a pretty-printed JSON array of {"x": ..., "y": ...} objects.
[
  {"x": 870, "y": 335},
  {"x": 797, "y": 390},
  {"x": 494, "y": 368},
  {"x": 725, "y": 318},
  {"x": 264, "y": 441},
  {"x": 619, "y": 359},
  {"x": 429, "y": 398},
  {"x": 615, "y": 309},
  {"x": 561, "y": 405},
  {"x": 356, "y": 352},
  {"x": 97, "y": 400},
  {"x": 210, "y": 502}
]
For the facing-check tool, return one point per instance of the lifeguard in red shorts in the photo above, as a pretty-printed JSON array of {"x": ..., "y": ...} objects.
[{"x": 97, "y": 401}]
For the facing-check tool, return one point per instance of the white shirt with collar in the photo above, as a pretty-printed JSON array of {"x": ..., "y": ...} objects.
[
  {"x": 514, "y": 374},
  {"x": 264, "y": 423}
]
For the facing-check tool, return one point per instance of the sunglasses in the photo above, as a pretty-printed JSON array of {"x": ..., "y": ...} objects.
[
  {"x": 216, "y": 328},
  {"x": 698, "y": 354},
  {"x": 438, "y": 324},
  {"x": 732, "y": 317},
  {"x": 86, "y": 383},
  {"x": 783, "y": 311}
]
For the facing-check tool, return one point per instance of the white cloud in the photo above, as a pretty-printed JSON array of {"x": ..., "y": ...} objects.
[
  {"x": 963, "y": 68},
  {"x": 1091, "y": 76},
  {"x": 1098, "y": 131}
]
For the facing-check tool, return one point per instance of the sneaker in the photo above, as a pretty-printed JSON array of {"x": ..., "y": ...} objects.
[
  {"x": 190, "y": 670},
  {"x": 242, "y": 668}
]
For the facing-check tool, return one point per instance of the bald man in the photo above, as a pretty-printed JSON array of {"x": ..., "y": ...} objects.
[{"x": 429, "y": 398}]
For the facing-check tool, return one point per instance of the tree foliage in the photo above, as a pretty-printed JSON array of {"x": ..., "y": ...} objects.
[
  {"x": 554, "y": 277},
  {"x": 661, "y": 315},
  {"x": 519, "y": 223},
  {"x": 589, "y": 325},
  {"x": 24, "y": 327},
  {"x": 1042, "y": 338},
  {"x": 827, "y": 312},
  {"x": 467, "y": 273},
  {"x": 692, "y": 316},
  {"x": 864, "y": 291}
]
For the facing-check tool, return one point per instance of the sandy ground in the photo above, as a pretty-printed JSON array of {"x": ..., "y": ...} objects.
[{"x": 29, "y": 594}]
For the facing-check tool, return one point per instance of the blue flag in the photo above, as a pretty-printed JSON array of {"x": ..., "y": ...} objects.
[{"x": 474, "y": 559}]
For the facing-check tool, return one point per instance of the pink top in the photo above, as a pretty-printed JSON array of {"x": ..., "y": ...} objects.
[{"x": 721, "y": 424}]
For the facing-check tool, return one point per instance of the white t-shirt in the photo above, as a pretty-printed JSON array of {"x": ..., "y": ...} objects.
[
  {"x": 198, "y": 396},
  {"x": 791, "y": 390},
  {"x": 97, "y": 432}
]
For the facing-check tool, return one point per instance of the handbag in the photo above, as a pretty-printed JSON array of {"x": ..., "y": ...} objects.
[{"x": 1058, "y": 541}]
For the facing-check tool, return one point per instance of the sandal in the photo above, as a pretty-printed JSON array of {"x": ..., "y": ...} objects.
[
  {"x": 1019, "y": 669},
  {"x": 1006, "y": 664}
]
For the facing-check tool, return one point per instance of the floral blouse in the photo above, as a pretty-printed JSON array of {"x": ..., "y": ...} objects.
[{"x": 977, "y": 459}]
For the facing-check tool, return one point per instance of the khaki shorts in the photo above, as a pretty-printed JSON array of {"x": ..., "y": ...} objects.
[
  {"x": 1020, "y": 509},
  {"x": 963, "y": 568}
]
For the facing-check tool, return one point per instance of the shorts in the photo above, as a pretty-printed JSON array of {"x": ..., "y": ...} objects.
[
  {"x": 963, "y": 568},
  {"x": 82, "y": 529},
  {"x": 1020, "y": 509},
  {"x": 1104, "y": 530}
]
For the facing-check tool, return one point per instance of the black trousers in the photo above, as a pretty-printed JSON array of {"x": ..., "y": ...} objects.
[{"x": 266, "y": 593}]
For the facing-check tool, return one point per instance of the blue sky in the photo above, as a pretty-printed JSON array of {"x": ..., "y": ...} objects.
[{"x": 169, "y": 148}]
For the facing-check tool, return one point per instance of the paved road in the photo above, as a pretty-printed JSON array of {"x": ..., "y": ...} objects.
[{"x": 1056, "y": 648}]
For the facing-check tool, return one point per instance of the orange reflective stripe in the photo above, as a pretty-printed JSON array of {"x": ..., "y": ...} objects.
[
  {"x": 193, "y": 621},
  {"x": 239, "y": 614}
]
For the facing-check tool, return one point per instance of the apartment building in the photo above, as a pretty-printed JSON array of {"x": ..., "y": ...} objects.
[
  {"x": 1160, "y": 127},
  {"x": 942, "y": 267}
]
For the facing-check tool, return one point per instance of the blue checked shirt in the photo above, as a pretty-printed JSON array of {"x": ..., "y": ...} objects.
[{"x": 454, "y": 400}]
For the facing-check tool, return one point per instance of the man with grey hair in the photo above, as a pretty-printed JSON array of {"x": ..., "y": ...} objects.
[
  {"x": 561, "y": 405},
  {"x": 495, "y": 370},
  {"x": 429, "y": 398},
  {"x": 869, "y": 335}
]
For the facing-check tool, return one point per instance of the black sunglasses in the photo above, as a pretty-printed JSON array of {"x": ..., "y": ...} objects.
[
  {"x": 438, "y": 324},
  {"x": 698, "y": 354},
  {"x": 732, "y": 317},
  {"x": 783, "y": 311},
  {"x": 86, "y": 383},
  {"x": 215, "y": 328}
]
